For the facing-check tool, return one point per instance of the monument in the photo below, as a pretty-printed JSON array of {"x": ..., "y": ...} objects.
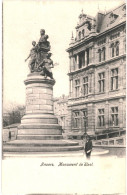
[{"x": 39, "y": 131}]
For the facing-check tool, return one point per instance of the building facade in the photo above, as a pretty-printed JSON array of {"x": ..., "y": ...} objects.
[
  {"x": 97, "y": 73},
  {"x": 60, "y": 106}
]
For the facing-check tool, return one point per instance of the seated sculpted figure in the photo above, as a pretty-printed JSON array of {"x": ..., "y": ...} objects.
[
  {"x": 47, "y": 65},
  {"x": 43, "y": 44},
  {"x": 33, "y": 56}
]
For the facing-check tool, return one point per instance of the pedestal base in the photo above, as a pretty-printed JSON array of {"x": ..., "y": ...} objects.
[{"x": 39, "y": 131}]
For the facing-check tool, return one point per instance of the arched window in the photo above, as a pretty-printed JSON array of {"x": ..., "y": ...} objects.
[
  {"x": 79, "y": 35},
  {"x": 103, "y": 53},
  {"x": 83, "y": 33},
  {"x": 99, "y": 52},
  {"x": 117, "y": 48},
  {"x": 112, "y": 49}
]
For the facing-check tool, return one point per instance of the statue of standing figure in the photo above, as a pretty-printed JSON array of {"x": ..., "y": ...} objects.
[
  {"x": 40, "y": 58},
  {"x": 33, "y": 56}
]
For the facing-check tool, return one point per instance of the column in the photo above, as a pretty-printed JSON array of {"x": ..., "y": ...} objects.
[
  {"x": 90, "y": 82},
  {"x": 71, "y": 63},
  {"x": 108, "y": 50},
  {"x": 90, "y": 55},
  {"x": 70, "y": 88},
  {"x": 121, "y": 45}
]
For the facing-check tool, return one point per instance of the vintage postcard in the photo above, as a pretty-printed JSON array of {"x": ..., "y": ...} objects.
[{"x": 64, "y": 97}]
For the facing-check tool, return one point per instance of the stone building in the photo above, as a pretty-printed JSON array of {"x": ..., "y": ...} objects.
[
  {"x": 60, "y": 106},
  {"x": 97, "y": 73}
]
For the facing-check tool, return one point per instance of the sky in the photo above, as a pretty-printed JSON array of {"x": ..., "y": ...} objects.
[{"x": 22, "y": 21}]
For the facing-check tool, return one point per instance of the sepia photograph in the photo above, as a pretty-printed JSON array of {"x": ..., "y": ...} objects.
[{"x": 63, "y": 97}]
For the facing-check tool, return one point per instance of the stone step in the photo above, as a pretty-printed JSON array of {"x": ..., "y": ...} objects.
[
  {"x": 40, "y": 120},
  {"x": 40, "y": 143},
  {"x": 40, "y": 126},
  {"x": 41, "y": 149},
  {"x": 39, "y": 137},
  {"x": 39, "y": 132}
]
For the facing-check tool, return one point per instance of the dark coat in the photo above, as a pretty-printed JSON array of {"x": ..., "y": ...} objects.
[{"x": 88, "y": 146}]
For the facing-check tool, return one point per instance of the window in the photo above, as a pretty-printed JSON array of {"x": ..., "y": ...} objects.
[
  {"x": 114, "y": 116},
  {"x": 112, "y": 17},
  {"x": 114, "y": 79},
  {"x": 101, "y": 118},
  {"x": 103, "y": 54},
  {"x": 75, "y": 60},
  {"x": 76, "y": 119},
  {"x": 77, "y": 87},
  {"x": 85, "y": 118},
  {"x": 85, "y": 85},
  {"x": 79, "y": 35},
  {"x": 83, "y": 33},
  {"x": 101, "y": 81},
  {"x": 112, "y": 50},
  {"x": 81, "y": 59},
  {"x": 117, "y": 48},
  {"x": 99, "y": 52},
  {"x": 87, "y": 53}
]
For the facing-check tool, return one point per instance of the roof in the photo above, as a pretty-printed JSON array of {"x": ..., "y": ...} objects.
[
  {"x": 102, "y": 23},
  {"x": 119, "y": 16}
]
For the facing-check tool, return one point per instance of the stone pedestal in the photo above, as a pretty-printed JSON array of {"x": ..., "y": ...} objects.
[
  {"x": 39, "y": 118},
  {"x": 39, "y": 131}
]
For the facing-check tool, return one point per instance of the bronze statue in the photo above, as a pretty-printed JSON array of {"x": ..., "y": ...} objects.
[
  {"x": 40, "y": 58},
  {"x": 43, "y": 44},
  {"x": 46, "y": 65},
  {"x": 33, "y": 55}
]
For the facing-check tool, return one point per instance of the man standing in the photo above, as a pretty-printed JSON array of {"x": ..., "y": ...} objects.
[{"x": 88, "y": 147}]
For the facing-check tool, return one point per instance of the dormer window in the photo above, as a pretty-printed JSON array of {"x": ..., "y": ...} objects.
[
  {"x": 112, "y": 17},
  {"x": 124, "y": 10}
]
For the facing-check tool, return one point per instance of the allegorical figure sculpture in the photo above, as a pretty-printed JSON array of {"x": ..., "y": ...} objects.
[
  {"x": 33, "y": 56},
  {"x": 43, "y": 44},
  {"x": 40, "y": 58},
  {"x": 46, "y": 65}
]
